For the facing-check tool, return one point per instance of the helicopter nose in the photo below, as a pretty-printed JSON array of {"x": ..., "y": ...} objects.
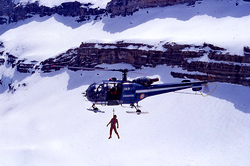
[{"x": 85, "y": 96}]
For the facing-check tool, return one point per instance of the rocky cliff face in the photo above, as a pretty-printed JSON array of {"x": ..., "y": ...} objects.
[
  {"x": 10, "y": 12},
  {"x": 128, "y": 7},
  {"x": 209, "y": 61},
  {"x": 206, "y": 59},
  {"x": 217, "y": 66}
]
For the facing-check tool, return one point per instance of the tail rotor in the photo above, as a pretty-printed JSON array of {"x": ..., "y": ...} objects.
[{"x": 208, "y": 89}]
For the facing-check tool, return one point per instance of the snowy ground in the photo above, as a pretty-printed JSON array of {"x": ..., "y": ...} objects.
[{"x": 45, "y": 121}]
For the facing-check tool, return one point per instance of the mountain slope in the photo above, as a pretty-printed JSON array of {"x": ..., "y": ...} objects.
[
  {"x": 206, "y": 22},
  {"x": 46, "y": 123},
  {"x": 44, "y": 118}
]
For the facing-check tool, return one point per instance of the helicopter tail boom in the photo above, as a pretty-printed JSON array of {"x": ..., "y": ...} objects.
[{"x": 160, "y": 89}]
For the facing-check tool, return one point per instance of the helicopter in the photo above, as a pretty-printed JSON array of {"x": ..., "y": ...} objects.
[
  {"x": 119, "y": 92},
  {"x": 114, "y": 92}
]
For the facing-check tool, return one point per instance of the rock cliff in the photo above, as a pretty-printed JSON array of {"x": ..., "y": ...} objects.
[
  {"x": 11, "y": 12},
  {"x": 128, "y": 7},
  {"x": 218, "y": 65},
  {"x": 205, "y": 61},
  {"x": 208, "y": 60}
]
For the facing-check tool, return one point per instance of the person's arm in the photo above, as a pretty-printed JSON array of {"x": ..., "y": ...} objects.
[
  {"x": 117, "y": 124},
  {"x": 108, "y": 123}
]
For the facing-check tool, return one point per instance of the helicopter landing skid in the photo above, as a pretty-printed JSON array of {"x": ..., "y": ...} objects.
[
  {"x": 138, "y": 111},
  {"x": 95, "y": 109}
]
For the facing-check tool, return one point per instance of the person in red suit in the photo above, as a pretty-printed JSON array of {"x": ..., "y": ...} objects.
[{"x": 113, "y": 122}]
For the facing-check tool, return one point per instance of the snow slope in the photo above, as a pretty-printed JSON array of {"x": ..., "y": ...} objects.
[
  {"x": 210, "y": 21},
  {"x": 45, "y": 121}
]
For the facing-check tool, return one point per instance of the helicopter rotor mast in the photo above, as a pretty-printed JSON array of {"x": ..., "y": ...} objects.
[{"x": 124, "y": 73}]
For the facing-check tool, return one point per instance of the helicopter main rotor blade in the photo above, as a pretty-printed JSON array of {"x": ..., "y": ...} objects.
[
  {"x": 121, "y": 70},
  {"x": 81, "y": 68},
  {"x": 95, "y": 68}
]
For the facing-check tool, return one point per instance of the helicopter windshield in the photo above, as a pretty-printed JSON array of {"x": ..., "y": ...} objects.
[{"x": 96, "y": 92}]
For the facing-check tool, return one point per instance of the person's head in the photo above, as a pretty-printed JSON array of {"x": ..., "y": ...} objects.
[{"x": 114, "y": 116}]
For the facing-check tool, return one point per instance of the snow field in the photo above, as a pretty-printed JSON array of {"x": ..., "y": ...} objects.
[
  {"x": 46, "y": 123},
  {"x": 41, "y": 38}
]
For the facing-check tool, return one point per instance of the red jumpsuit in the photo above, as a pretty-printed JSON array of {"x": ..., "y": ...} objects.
[{"x": 113, "y": 123}]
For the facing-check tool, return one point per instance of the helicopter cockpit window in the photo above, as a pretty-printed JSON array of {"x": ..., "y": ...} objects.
[
  {"x": 100, "y": 88},
  {"x": 97, "y": 92},
  {"x": 100, "y": 91}
]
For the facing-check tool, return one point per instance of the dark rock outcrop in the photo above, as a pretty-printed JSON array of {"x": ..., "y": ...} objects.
[
  {"x": 11, "y": 59},
  {"x": 91, "y": 54},
  {"x": 2, "y": 61},
  {"x": 128, "y": 7},
  {"x": 24, "y": 67},
  {"x": 10, "y": 12}
]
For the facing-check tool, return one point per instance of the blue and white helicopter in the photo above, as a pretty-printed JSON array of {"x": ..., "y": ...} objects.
[{"x": 119, "y": 92}]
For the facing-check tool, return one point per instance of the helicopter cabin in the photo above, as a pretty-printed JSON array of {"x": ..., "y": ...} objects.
[
  {"x": 115, "y": 92},
  {"x": 105, "y": 93}
]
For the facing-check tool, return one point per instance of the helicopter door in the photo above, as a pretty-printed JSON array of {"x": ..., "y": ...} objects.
[{"x": 114, "y": 91}]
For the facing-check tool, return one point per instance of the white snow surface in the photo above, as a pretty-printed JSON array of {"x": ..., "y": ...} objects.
[{"x": 45, "y": 122}]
